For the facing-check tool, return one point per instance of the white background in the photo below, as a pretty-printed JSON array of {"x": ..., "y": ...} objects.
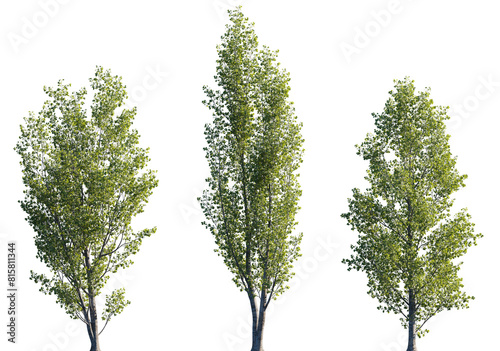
[{"x": 181, "y": 292}]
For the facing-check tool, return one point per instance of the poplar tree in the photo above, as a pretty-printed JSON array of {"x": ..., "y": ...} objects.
[
  {"x": 85, "y": 179},
  {"x": 409, "y": 242},
  {"x": 254, "y": 148}
]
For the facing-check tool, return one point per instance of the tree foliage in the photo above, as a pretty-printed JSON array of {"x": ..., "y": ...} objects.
[
  {"x": 409, "y": 241},
  {"x": 254, "y": 150},
  {"x": 85, "y": 181}
]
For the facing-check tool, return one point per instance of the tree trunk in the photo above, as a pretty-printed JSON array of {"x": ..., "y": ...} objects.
[
  {"x": 255, "y": 318},
  {"x": 93, "y": 328},
  {"x": 258, "y": 331},
  {"x": 259, "y": 335},
  {"x": 258, "y": 319},
  {"x": 412, "y": 335}
]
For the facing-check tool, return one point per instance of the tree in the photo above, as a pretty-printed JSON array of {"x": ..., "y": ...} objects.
[
  {"x": 254, "y": 150},
  {"x": 85, "y": 180},
  {"x": 408, "y": 241}
]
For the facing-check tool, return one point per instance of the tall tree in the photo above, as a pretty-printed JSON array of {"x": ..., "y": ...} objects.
[
  {"x": 408, "y": 240},
  {"x": 85, "y": 180},
  {"x": 254, "y": 150}
]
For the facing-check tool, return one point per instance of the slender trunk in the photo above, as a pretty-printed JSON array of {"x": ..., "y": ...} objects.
[
  {"x": 259, "y": 335},
  {"x": 258, "y": 332},
  {"x": 255, "y": 318},
  {"x": 412, "y": 342},
  {"x": 92, "y": 329},
  {"x": 248, "y": 233},
  {"x": 412, "y": 337},
  {"x": 258, "y": 320}
]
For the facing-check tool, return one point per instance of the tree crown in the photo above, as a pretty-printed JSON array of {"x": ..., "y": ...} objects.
[
  {"x": 85, "y": 180},
  {"x": 408, "y": 240}
]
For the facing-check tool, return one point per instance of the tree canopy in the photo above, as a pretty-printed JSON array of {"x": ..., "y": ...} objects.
[
  {"x": 85, "y": 180},
  {"x": 409, "y": 241},
  {"x": 254, "y": 149}
]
